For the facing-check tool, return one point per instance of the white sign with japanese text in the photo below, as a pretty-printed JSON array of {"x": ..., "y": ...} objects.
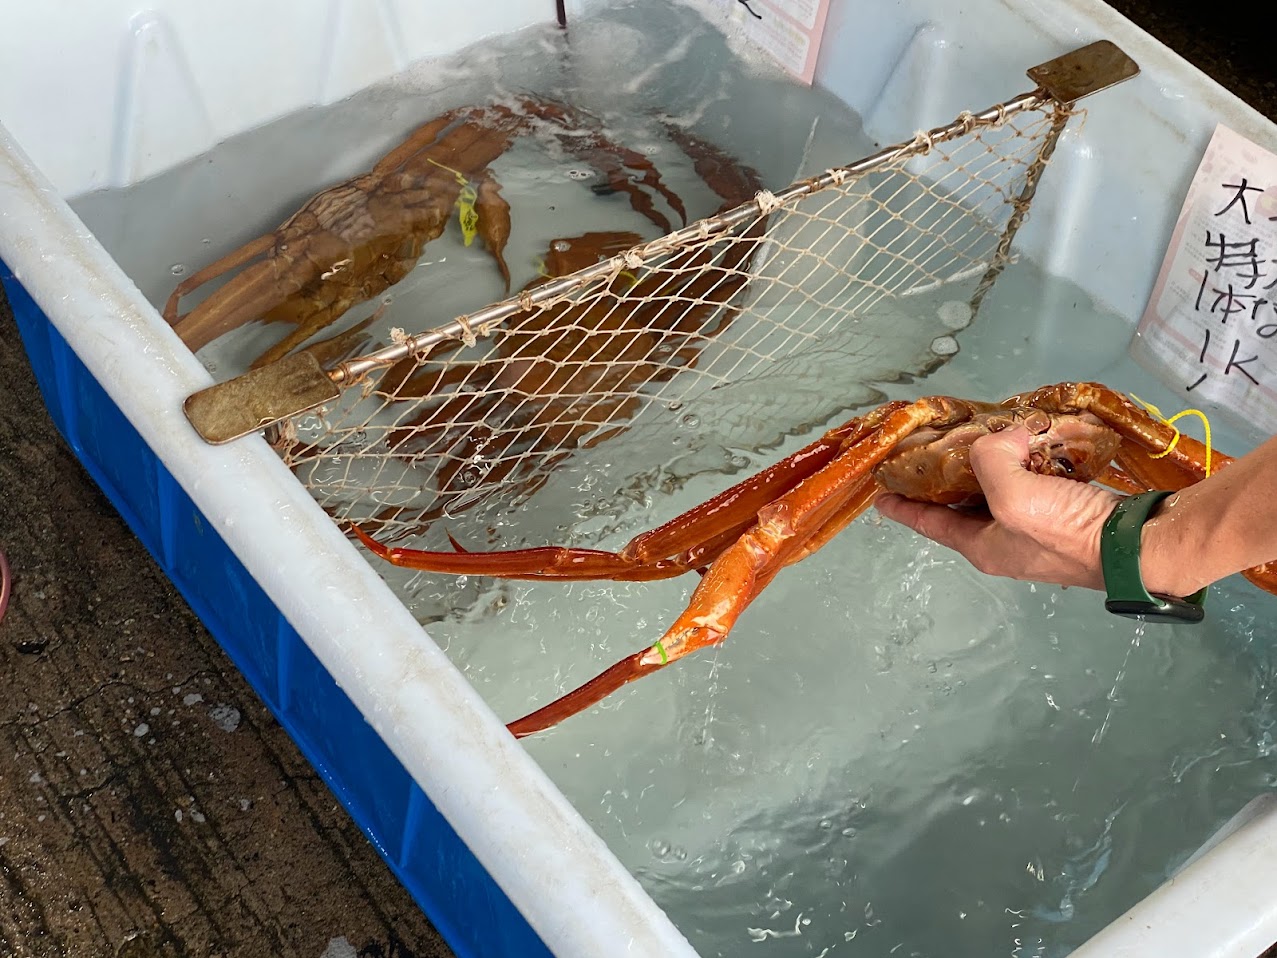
[
  {"x": 789, "y": 30},
  {"x": 1210, "y": 326}
]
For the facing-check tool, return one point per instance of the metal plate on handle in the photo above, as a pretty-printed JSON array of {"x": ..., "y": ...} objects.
[
  {"x": 261, "y": 398},
  {"x": 1089, "y": 69}
]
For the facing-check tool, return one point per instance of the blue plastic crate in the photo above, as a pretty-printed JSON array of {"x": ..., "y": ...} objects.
[{"x": 463, "y": 901}]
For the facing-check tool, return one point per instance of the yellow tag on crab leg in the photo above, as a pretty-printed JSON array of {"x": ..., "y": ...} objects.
[{"x": 468, "y": 215}]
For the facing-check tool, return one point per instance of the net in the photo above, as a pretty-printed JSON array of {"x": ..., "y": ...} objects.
[{"x": 762, "y": 320}]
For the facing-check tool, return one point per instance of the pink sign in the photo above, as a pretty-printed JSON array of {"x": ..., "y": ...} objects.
[{"x": 789, "y": 30}]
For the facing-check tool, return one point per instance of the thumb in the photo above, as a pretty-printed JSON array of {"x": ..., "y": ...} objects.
[{"x": 1000, "y": 463}]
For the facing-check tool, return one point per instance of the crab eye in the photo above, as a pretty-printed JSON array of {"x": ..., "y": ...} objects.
[{"x": 1064, "y": 465}]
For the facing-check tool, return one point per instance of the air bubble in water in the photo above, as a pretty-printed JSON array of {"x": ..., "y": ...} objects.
[
  {"x": 691, "y": 421},
  {"x": 944, "y": 345},
  {"x": 560, "y": 246},
  {"x": 955, "y": 314},
  {"x": 177, "y": 269}
]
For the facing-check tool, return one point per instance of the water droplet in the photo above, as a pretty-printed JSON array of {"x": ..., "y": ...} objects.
[
  {"x": 205, "y": 241},
  {"x": 560, "y": 246},
  {"x": 674, "y": 406},
  {"x": 177, "y": 269},
  {"x": 691, "y": 421}
]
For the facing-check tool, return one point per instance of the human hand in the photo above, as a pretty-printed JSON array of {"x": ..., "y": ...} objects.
[{"x": 1039, "y": 528}]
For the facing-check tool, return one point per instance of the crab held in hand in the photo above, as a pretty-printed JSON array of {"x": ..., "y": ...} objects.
[{"x": 740, "y": 539}]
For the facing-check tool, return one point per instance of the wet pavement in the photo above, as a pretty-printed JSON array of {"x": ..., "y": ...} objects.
[{"x": 149, "y": 804}]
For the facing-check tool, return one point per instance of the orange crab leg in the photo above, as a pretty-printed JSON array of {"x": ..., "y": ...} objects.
[
  {"x": 639, "y": 664},
  {"x": 1162, "y": 472},
  {"x": 685, "y": 542},
  {"x": 783, "y": 530},
  {"x": 742, "y": 501},
  {"x": 555, "y": 562},
  {"x": 787, "y": 530},
  {"x": 860, "y": 500},
  {"x": 1120, "y": 480},
  {"x": 664, "y": 551}
]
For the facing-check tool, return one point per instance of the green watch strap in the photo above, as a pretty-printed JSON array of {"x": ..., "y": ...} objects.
[{"x": 1120, "y": 560}]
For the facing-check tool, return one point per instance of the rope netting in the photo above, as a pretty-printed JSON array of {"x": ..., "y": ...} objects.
[{"x": 763, "y": 320}]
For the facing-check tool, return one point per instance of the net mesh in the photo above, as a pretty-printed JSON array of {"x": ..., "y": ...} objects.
[{"x": 751, "y": 332}]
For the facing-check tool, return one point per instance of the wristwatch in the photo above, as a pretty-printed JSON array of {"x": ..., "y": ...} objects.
[{"x": 1120, "y": 560}]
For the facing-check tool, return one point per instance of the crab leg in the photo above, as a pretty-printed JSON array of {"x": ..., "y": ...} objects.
[
  {"x": 420, "y": 138},
  {"x": 1162, "y": 473},
  {"x": 230, "y": 261},
  {"x": 494, "y": 221},
  {"x": 660, "y": 550},
  {"x": 558, "y": 562},
  {"x": 860, "y": 500},
  {"x": 636, "y": 666},
  {"x": 613, "y": 160},
  {"x": 1120, "y": 480},
  {"x": 787, "y": 530}
]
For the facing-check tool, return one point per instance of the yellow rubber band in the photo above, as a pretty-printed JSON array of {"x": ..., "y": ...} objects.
[{"x": 1171, "y": 422}]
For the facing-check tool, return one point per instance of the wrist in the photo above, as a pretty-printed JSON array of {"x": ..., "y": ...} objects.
[{"x": 1170, "y": 560}]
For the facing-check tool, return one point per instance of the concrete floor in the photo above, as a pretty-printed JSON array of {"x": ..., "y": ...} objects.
[{"x": 149, "y": 804}]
